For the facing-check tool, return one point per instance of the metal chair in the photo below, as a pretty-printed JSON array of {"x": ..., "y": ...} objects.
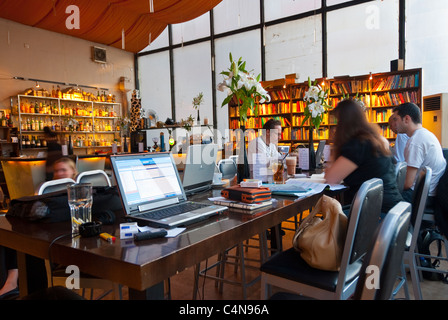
[
  {"x": 289, "y": 271},
  {"x": 228, "y": 168},
  {"x": 400, "y": 174},
  {"x": 55, "y": 185},
  {"x": 386, "y": 254},
  {"x": 383, "y": 259},
  {"x": 98, "y": 178},
  {"x": 58, "y": 276},
  {"x": 420, "y": 194}
]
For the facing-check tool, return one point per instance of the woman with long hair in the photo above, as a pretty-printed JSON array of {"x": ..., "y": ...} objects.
[{"x": 361, "y": 153}]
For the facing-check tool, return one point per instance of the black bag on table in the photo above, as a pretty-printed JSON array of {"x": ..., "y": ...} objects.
[{"x": 53, "y": 207}]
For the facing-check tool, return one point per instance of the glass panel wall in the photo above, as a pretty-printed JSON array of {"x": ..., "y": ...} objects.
[
  {"x": 192, "y": 76},
  {"x": 236, "y": 14},
  {"x": 155, "y": 88},
  {"x": 362, "y": 38},
  {"x": 294, "y": 47},
  {"x": 427, "y": 42},
  {"x": 245, "y": 45}
]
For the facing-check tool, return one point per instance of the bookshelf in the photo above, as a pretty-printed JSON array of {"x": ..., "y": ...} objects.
[{"x": 380, "y": 93}]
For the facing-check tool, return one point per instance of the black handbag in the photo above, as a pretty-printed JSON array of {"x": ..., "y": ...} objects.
[{"x": 53, "y": 207}]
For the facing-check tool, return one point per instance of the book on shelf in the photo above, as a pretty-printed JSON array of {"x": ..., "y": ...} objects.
[
  {"x": 397, "y": 82},
  {"x": 241, "y": 205},
  {"x": 282, "y": 94}
]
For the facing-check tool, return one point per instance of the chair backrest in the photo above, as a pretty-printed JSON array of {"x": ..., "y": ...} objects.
[
  {"x": 98, "y": 178},
  {"x": 234, "y": 158},
  {"x": 55, "y": 185},
  {"x": 228, "y": 168},
  {"x": 419, "y": 196},
  {"x": 400, "y": 174},
  {"x": 445, "y": 153},
  {"x": 384, "y": 256},
  {"x": 364, "y": 216}
]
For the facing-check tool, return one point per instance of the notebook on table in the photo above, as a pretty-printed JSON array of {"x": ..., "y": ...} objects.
[
  {"x": 200, "y": 166},
  {"x": 151, "y": 191}
]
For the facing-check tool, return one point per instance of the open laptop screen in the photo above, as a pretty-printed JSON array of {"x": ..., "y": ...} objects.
[{"x": 144, "y": 179}]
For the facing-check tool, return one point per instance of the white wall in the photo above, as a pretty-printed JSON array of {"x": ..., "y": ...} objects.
[{"x": 35, "y": 53}]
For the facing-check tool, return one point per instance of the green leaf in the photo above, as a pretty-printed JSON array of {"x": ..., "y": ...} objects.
[{"x": 227, "y": 100}]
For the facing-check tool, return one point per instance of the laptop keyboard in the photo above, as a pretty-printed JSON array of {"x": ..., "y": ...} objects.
[{"x": 171, "y": 211}]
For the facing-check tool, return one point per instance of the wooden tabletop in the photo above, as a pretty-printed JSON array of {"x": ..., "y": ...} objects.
[{"x": 140, "y": 265}]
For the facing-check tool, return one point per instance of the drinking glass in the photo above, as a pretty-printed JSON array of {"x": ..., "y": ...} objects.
[
  {"x": 278, "y": 168},
  {"x": 80, "y": 203},
  {"x": 291, "y": 163}
]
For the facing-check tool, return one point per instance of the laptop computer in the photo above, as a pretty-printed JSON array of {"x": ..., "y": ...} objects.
[
  {"x": 151, "y": 191},
  {"x": 199, "y": 167},
  {"x": 320, "y": 152}
]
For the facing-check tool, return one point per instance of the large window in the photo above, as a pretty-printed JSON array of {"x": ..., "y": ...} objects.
[
  {"x": 192, "y": 76},
  {"x": 155, "y": 88},
  {"x": 362, "y": 38},
  {"x": 294, "y": 47},
  {"x": 427, "y": 42},
  {"x": 245, "y": 45},
  {"x": 312, "y": 38}
]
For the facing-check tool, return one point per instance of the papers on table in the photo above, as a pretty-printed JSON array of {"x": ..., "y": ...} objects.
[{"x": 313, "y": 185}]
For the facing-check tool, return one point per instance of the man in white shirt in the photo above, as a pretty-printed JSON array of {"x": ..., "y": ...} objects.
[
  {"x": 400, "y": 140},
  {"x": 265, "y": 145},
  {"x": 422, "y": 149}
]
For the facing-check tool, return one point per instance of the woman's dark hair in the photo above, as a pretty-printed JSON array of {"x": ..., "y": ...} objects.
[
  {"x": 352, "y": 123},
  {"x": 411, "y": 110}
]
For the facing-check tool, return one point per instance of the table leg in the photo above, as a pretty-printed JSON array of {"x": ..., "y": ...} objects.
[{"x": 156, "y": 292}]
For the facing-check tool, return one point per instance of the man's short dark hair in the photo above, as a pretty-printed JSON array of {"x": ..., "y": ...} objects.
[
  {"x": 411, "y": 110},
  {"x": 271, "y": 124}
]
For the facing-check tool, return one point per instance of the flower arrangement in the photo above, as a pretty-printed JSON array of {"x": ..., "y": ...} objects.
[
  {"x": 244, "y": 86},
  {"x": 197, "y": 101},
  {"x": 316, "y": 104},
  {"x": 188, "y": 123}
]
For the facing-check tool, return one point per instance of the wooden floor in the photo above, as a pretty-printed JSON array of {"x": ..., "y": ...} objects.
[{"x": 182, "y": 284}]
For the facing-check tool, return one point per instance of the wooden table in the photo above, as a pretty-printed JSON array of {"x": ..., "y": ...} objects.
[{"x": 145, "y": 264}]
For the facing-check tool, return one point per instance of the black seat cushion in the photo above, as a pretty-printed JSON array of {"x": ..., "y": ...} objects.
[{"x": 290, "y": 265}]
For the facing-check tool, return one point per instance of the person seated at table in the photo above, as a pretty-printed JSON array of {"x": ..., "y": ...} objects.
[
  {"x": 265, "y": 144},
  {"x": 400, "y": 140},
  {"x": 422, "y": 149},
  {"x": 361, "y": 153},
  {"x": 9, "y": 274},
  {"x": 64, "y": 167},
  {"x": 54, "y": 151}
]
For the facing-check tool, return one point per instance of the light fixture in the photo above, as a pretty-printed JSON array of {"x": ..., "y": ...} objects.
[
  {"x": 370, "y": 78},
  {"x": 37, "y": 84}
]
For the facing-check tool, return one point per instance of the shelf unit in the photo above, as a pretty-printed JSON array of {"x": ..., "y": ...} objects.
[
  {"x": 380, "y": 92},
  {"x": 97, "y": 121}
]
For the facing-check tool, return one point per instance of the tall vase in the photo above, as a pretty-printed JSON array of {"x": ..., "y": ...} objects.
[
  {"x": 70, "y": 145},
  {"x": 125, "y": 144},
  {"x": 243, "y": 170},
  {"x": 199, "y": 118},
  {"x": 312, "y": 154}
]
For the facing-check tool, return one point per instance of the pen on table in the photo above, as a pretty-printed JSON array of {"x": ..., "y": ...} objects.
[{"x": 107, "y": 237}]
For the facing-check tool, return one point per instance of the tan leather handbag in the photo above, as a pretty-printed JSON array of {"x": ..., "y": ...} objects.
[{"x": 321, "y": 236}]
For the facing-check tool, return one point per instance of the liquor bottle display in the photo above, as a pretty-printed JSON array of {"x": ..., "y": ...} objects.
[{"x": 90, "y": 124}]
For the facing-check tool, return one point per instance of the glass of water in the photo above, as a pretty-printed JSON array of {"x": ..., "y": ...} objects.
[{"x": 80, "y": 203}]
